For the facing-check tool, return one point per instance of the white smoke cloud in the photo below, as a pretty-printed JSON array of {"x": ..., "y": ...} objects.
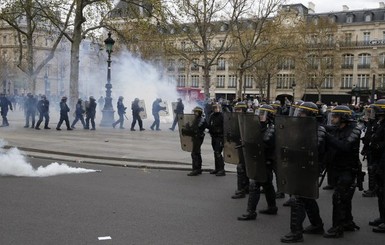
[{"x": 13, "y": 163}]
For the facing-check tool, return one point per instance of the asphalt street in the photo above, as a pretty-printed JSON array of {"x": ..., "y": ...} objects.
[{"x": 148, "y": 206}]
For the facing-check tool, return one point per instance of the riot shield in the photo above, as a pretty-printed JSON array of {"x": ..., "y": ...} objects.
[
  {"x": 173, "y": 106},
  {"x": 165, "y": 112},
  {"x": 297, "y": 156},
  {"x": 253, "y": 147},
  {"x": 232, "y": 137},
  {"x": 184, "y": 123},
  {"x": 143, "y": 114}
]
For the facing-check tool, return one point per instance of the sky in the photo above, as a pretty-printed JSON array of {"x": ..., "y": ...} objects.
[{"x": 322, "y": 6}]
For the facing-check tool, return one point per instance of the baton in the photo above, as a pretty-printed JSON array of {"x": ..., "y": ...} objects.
[
  {"x": 126, "y": 117},
  {"x": 322, "y": 178}
]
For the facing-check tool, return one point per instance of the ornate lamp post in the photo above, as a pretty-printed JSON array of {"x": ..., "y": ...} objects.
[{"x": 108, "y": 111}]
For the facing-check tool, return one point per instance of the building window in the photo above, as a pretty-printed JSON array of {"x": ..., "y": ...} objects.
[
  {"x": 195, "y": 81},
  {"x": 368, "y": 17},
  {"x": 347, "y": 81},
  {"x": 348, "y": 38},
  {"x": 312, "y": 62},
  {"x": 327, "y": 62},
  {"x": 181, "y": 65},
  {"x": 249, "y": 81},
  {"x": 284, "y": 81},
  {"x": 221, "y": 64},
  {"x": 363, "y": 80},
  {"x": 366, "y": 37},
  {"x": 364, "y": 61},
  {"x": 232, "y": 81},
  {"x": 328, "y": 82},
  {"x": 195, "y": 65},
  {"x": 286, "y": 64},
  {"x": 181, "y": 81},
  {"x": 347, "y": 61},
  {"x": 311, "y": 84},
  {"x": 221, "y": 81},
  {"x": 381, "y": 60},
  {"x": 349, "y": 18},
  {"x": 381, "y": 78},
  {"x": 171, "y": 65},
  {"x": 5, "y": 39}
]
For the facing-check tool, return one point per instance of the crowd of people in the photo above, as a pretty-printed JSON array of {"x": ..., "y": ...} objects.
[{"x": 337, "y": 135}]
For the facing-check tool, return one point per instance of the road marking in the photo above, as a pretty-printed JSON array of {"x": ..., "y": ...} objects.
[{"x": 102, "y": 238}]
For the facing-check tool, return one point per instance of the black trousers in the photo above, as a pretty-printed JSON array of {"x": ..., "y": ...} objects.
[
  {"x": 301, "y": 208},
  {"x": 77, "y": 118},
  {"x": 196, "y": 153},
  {"x": 136, "y": 118},
  {"x": 30, "y": 114},
  {"x": 380, "y": 185},
  {"x": 63, "y": 118},
  {"x": 217, "y": 144},
  {"x": 342, "y": 198},
  {"x": 156, "y": 122},
  {"x": 42, "y": 115},
  {"x": 120, "y": 120}
]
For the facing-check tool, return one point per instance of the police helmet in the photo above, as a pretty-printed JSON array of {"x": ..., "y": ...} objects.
[
  {"x": 379, "y": 107},
  {"x": 240, "y": 106},
  {"x": 294, "y": 106},
  {"x": 217, "y": 106},
  {"x": 121, "y": 97},
  {"x": 307, "y": 108},
  {"x": 43, "y": 97},
  {"x": 92, "y": 98},
  {"x": 343, "y": 112},
  {"x": 276, "y": 104},
  {"x": 266, "y": 112},
  {"x": 64, "y": 98},
  {"x": 198, "y": 110}
]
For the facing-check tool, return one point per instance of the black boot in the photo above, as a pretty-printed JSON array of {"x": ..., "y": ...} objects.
[
  {"x": 221, "y": 173},
  {"x": 248, "y": 216},
  {"x": 380, "y": 228},
  {"x": 239, "y": 194},
  {"x": 195, "y": 172},
  {"x": 314, "y": 229},
  {"x": 269, "y": 210},
  {"x": 376, "y": 222},
  {"x": 334, "y": 232},
  {"x": 292, "y": 238},
  {"x": 213, "y": 171},
  {"x": 351, "y": 226},
  {"x": 369, "y": 193}
]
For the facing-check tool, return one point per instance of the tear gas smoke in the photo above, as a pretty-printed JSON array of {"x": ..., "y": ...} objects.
[
  {"x": 13, "y": 163},
  {"x": 132, "y": 77}
]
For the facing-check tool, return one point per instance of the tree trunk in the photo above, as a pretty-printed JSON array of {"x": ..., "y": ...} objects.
[
  {"x": 240, "y": 84},
  {"x": 206, "y": 78}
]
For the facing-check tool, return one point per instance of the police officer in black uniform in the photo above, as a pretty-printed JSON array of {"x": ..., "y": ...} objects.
[
  {"x": 121, "y": 111},
  {"x": 178, "y": 111},
  {"x": 136, "y": 109},
  {"x": 43, "y": 108},
  {"x": 343, "y": 141},
  {"x": 266, "y": 116},
  {"x": 91, "y": 113},
  {"x": 156, "y": 108},
  {"x": 242, "y": 179},
  {"x": 377, "y": 150},
  {"x": 5, "y": 104},
  {"x": 196, "y": 131},
  {"x": 64, "y": 109},
  {"x": 306, "y": 206},
  {"x": 30, "y": 110},
  {"x": 215, "y": 126},
  {"x": 79, "y": 111}
]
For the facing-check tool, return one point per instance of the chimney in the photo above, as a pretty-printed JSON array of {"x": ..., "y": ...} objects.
[
  {"x": 382, "y": 5},
  {"x": 311, "y": 7},
  {"x": 345, "y": 8}
]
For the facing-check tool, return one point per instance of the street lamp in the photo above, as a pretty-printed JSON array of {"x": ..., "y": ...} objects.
[
  {"x": 46, "y": 85},
  {"x": 108, "y": 111},
  {"x": 293, "y": 85}
]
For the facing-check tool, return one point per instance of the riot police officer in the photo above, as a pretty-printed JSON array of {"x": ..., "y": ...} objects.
[
  {"x": 79, "y": 111},
  {"x": 215, "y": 126},
  {"x": 242, "y": 179},
  {"x": 377, "y": 150},
  {"x": 306, "y": 206},
  {"x": 43, "y": 108},
  {"x": 266, "y": 115},
  {"x": 5, "y": 104},
  {"x": 178, "y": 111},
  {"x": 156, "y": 108},
  {"x": 121, "y": 111},
  {"x": 30, "y": 110},
  {"x": 343, "y": 141},
  {"x": 64, "y": 109},
  {"x": 196, "y": 131},
  {"x": 90, "y": 113},
  {"x": 136, "y": 109}
]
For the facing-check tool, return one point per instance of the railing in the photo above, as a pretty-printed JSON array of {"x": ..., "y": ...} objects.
[
  {"x": 363, "y": 66},
  {"x": 347, "y": 66}
]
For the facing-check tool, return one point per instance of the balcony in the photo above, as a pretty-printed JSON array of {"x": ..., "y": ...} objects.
[
  {"x": 363, "y": 66},
  {"x": 347, "y": 66}
]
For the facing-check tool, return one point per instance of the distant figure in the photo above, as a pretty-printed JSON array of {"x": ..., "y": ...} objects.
[
  {"x": 90, "y": 113},
  {"x": 79, "y": 111},
  {"x": 121, "y": 111},
  {"x": 136, "y": 109},
  {"x": 30, "y": 110},
  {"x": 178, "y": 111},
  {"x": 155, "y": 112},
  {"x": 101, "y": 102},
  {"x": 64, "y": 109},
  {"x": 43, "y": 108},
  {"x": 5, "y": 104}
]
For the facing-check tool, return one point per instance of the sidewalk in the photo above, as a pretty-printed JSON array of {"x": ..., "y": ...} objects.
[{"x": 119, "y": 147}]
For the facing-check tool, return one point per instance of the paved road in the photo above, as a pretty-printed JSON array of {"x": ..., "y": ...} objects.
[
  {"x": 148, "y": 206},
  {"x": 153, "y": 149}
]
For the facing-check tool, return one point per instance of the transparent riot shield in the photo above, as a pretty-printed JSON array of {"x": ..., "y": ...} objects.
[
  {"x": 297, "y": 156},
  {"x": 143, "y": 113},
  {"x": 173, "y": 106},
  {"x": 232, "y": 137},
  {"x": 165, "y": 112},
  {"x": 185, "y": 122},
  {"x": 253, "y": 147}
]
